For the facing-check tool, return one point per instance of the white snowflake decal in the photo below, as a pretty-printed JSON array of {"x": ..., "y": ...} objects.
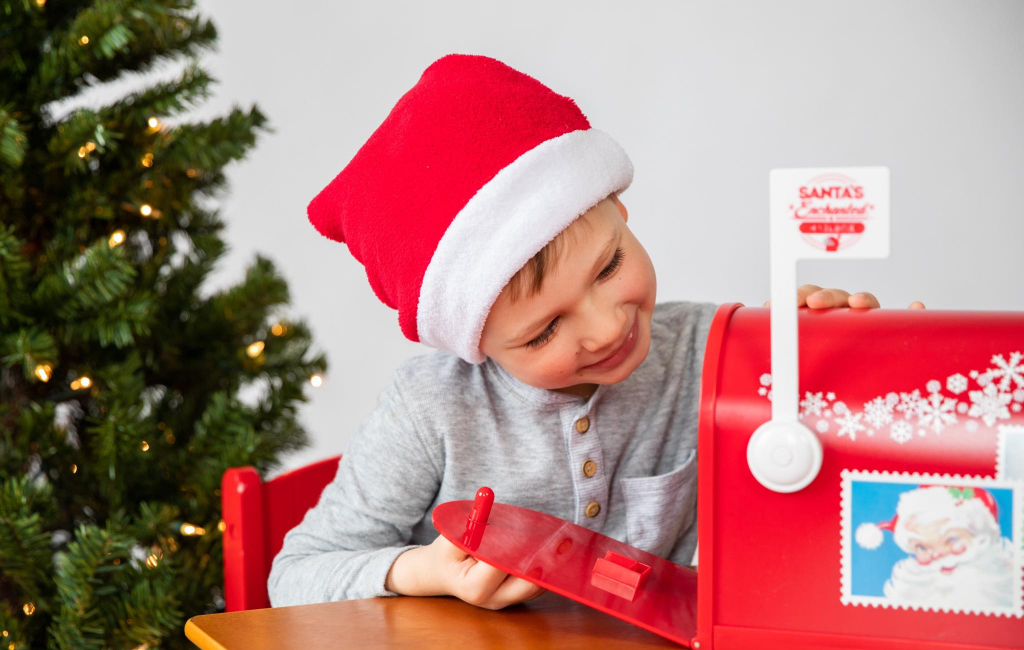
[
  {"x": 956, "y": 384},
  {"x": 909, "y": 404},
  {"x": 877, "y": 412},
  {"x": 849, "y": 425},
  {"x": 812, "y": 404},
  {"x": 989, "y": 405},
  {"x": 1007, "y": 372},
  {"x": 1000, "y": 392},
  {"x": 901, "y": 432},
  {"x": 936, "y": 412}
]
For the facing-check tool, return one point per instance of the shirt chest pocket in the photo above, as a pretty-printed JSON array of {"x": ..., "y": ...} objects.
[{"x": 659, "y": 509}]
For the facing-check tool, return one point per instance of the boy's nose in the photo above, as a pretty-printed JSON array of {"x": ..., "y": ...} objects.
[{"x": 604, "y": 334}]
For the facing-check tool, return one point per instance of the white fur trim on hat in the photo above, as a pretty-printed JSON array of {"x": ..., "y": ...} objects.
[{"x": 504, "y": 224}]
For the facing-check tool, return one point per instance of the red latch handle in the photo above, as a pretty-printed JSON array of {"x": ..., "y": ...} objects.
[{"x": 619, "y": 575}]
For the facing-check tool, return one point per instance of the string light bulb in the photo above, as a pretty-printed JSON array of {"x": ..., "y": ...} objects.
[
  {"x": 278, "y": 329},
  {"x": 29, "y": 609},
  {"x": 221, "y": 526},
  {"x": 316, "y": 380},
  {"x": 39, "y": 3},
  {"x": 255, "y": 349},
  {"x": 84, "y": 40},
  {"x": 116, "y": 238},
  {"x": 144, "y": 446},
  {"x": 145, "y": 209},
  {"x": 82, "y": 152},
  {"x": 82, "y": 382},
  {"x": 147, "y": 160},
  {"x": 191, "y": 530},
  {"x": 153, "y": 123},
  {"x": 74, "y": 468},
  {"x": 44, "y": 372},
  {"x": 152, "y": 561}
]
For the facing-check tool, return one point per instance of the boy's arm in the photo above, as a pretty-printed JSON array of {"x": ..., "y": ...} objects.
[{"x": 346, "y": 544}]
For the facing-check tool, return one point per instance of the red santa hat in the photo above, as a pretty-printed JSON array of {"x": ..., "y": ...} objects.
[
  {"x": 474, "y": 170},
  {"x": 972, "y": 508}
]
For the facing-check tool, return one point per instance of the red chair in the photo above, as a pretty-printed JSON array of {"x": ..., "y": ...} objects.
[{"x": 256, "y": 516}]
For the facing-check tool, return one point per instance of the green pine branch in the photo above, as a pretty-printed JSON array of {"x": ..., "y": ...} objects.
[{"x": 120, "y": 371}]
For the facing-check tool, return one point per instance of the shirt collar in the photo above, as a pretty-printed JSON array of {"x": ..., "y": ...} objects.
[{"x": 542, "y": 396}]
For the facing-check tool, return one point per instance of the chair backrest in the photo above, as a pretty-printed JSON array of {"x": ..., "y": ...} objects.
[{"x": 256, "y": 516}]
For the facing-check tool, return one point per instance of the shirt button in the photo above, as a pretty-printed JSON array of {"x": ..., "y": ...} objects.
[
  {"x": 592, "y": 509},
  {"x": 583, "y": 424},
  {"x": 589, "y": 468}
]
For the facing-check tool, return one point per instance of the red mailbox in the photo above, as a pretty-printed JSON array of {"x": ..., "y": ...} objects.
[
  {"x": 910, "y": 534},
  {"x": 877, "y": 502}
]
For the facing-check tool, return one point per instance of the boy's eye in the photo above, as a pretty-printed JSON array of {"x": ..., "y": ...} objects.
[
  {"x": 608, "y": 270},
  {"x": 545, "y": 335},
  {"x": 616, "y": 261}
]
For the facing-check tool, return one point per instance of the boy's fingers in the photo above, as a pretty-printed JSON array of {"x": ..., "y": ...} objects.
[
  {"x": 864, "y": 300},
  {"x": 801, "y": 295},
  {"x": 511, "y": 591},
  {"x": 917, "y": 304},
  {"x": 825, "y": 298},
  {"x": 803, "y": 292},
  {"x": 479, "y": 583}
]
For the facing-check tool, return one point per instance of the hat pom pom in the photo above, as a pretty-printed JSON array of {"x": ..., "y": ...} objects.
[{"x": 869, "y": 536}]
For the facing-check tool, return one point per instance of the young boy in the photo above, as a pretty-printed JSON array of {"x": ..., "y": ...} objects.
[{"x": 485, "y": 210}]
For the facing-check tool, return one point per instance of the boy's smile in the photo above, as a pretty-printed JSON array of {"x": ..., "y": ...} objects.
[{"x": 590, "y": 322}]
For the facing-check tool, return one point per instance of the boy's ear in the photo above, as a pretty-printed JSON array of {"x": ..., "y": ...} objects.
[{"x": 622, "y": 208}]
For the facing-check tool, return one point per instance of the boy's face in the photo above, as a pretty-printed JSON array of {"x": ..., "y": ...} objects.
[{"x": 595, "y": 305}]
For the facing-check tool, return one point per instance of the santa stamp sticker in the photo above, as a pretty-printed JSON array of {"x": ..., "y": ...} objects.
[{"x": 923, "y": 541}]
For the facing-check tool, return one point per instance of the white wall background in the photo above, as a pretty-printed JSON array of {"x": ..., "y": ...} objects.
[{"x": 705, "y": 96}]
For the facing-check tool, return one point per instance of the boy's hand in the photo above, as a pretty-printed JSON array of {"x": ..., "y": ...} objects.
[
  {"x": 441, "y": 569},
  {"x": 815, "y": 297}
]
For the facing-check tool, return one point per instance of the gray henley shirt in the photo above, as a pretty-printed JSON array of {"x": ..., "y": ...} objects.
[{"x": 442, "y": 428}]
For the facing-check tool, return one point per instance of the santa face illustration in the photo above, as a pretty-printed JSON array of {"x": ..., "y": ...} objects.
[
  {"x": 957, "y": 555},
  {"x": 938, "y": 543}
]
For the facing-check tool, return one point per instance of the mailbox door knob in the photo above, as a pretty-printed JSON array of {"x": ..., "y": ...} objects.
[{"x": 784, "y": 456}]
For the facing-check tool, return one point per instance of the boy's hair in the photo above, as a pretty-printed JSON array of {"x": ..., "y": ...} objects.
[{"x": 531, "y": 276}]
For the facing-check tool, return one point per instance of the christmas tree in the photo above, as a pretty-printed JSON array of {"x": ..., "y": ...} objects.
[{"x": 127, "y": 386}]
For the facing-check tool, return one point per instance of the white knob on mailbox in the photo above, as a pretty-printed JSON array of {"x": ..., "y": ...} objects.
[{"x": 784, "y": 456}]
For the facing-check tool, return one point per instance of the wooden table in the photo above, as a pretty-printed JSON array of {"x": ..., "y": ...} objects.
[{"x": 550, "y": 621}]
